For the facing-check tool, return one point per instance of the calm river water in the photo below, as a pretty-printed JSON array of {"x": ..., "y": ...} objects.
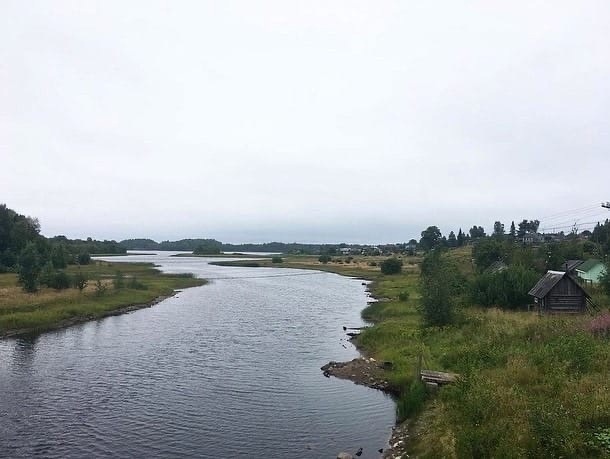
[{"x": 229, "y": 369}]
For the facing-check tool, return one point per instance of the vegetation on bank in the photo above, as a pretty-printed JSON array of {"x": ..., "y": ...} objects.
[
  {"x": 530, "y": 385},
  {"x": 92, "y": 291}
]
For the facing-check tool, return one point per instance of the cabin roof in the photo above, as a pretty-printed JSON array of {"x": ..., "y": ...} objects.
[
  {"x": 550, "y": 280},
  {"x": 572, "y": 264}
]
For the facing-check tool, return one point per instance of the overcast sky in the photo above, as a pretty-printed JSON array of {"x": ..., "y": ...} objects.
[{"x": 330, "y": 121}]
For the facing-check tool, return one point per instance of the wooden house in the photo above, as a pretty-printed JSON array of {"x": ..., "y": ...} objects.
[{"x": 559, "y": 292}]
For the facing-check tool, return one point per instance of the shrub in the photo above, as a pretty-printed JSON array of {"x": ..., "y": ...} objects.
[
  {"x": 372, "y": 263},
  {"x": 411, "y": 401},
  {"x": 324, "y": 258},
  {"x": 29, "y": 268},
  {"x": 403, "y": 296},
  {"x": 391, "y": 266},
  {"x": 100, "y": 288},
  {"x": 135, "y": 284},
  {"x": 79, "y": 281},
  {"x": 83, "y": 258},
  {"x": 119, "y": 280},
  {"x": 61, "y": 281},
  {"x": 507, "y": 288},
  {"x": 438, "y": 287},
  {"x": 277, "y": 259}
]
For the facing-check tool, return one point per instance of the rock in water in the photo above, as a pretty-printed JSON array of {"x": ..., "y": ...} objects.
[{"x": 344, "y": 456}]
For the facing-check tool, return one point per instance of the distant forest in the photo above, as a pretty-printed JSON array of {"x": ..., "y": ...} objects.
[{"x": 214, "y": 246}]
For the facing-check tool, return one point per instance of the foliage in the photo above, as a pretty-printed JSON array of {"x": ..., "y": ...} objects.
[
  {"x": 477, "y": 232},
  {"x": 277, "y": 259},
  {"x": 208, "y": 247},
  {"x": 528, "y": 226},
  {"x": 404, "y": 295},
  {"x": 600, "y": 325},
  {"x": 61, "y": 280},
  {"x": 438, "y": 288},
  {"x": 29, "y": 268},
  {"x": 507, "y": 288},
  {"x": 100, "y": 288},
  {"x": 135, "y": 284},
  {"x": 391, "y": 266},
  {"x": 79, "y": 280},
  {"x": 411, "y": 402},
  {"x": 119, "y": 280},
  {"x": 324, "y": 258},
  {"x": 84, "y": 258},
  {"x": 430, "y": 238},
  {"x": 488, "y": 251}
]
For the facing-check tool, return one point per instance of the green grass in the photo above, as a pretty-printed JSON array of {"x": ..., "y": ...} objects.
[{"x": 48, "y": 309}]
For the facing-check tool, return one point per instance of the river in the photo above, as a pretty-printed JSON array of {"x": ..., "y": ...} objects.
[{"x": 228, "y": 369}]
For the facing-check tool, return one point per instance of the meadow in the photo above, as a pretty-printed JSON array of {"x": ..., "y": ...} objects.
[
  {"x": 529, "y": 386},
  {"x": 110, "y": 288}
]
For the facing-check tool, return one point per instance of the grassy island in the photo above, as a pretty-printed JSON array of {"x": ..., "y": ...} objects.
[
  {"x": 109, "y": 289},
  {"x": 530, "y": 385}
]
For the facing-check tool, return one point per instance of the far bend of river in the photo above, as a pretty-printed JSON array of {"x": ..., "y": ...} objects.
[{"x": 229, "y": 369}]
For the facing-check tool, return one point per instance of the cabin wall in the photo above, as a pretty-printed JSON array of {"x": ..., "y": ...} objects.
[{"x": 566, "y": 296}]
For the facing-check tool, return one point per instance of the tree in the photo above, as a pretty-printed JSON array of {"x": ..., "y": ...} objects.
[
  {"x": 391, "y": 266},
  {"x": 60, "y": 256},
  {"x": 460, "y": 238},
  {"x": 452, "y": 240},
  {"x": 498, "y": 230},
  {"x": 438, "y": 289},
  {"x": 477, "y": 232},
  {"x": 209, "y": 247},
  {"x": 527, "y": 226},
  {"x": 430, "y": 238},
  {"x": 29, "y": 268},
  {"x": 604, "y": 280},
  {"x": 512, "y": 232},
  {"x": 486, "y": 252},
  {"x": 324, "y": 258}
]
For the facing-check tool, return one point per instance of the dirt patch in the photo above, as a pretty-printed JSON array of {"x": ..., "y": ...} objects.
[{"x": 363, "y": 371}]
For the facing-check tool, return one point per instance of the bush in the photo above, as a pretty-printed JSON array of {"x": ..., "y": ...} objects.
[
  {"x": 29, "y": 268},
  {"x": 119, "y": 280},
  {"x": 391, "y": 266},
  {"x": 372, "y": 263},
  {"x": 61, "y": 281},
  {"x": 411, "y": 402},
  {"x": 135, "y": 284},
  {"x": 438, "y": 287},
  {"x": 403, "y": 296},
  {"x": 83, "y": 258},
  {"x": 100, "y": 288},
  {"x": 507, "y": 288},
  {"x": 79, "y": 281},
  {"x": 324, "y": 258},
  {"x": 277, "y": 259}
]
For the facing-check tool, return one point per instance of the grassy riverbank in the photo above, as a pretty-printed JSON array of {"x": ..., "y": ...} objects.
[
  {"x": 531, "y": 386},
  {"x": 22, "y": 312}
]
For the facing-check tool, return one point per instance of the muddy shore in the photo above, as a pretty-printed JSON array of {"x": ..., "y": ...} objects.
[{"x": 374, "y": 374}]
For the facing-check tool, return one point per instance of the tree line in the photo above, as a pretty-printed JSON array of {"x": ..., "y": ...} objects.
[{"x": 40, "y": 261}]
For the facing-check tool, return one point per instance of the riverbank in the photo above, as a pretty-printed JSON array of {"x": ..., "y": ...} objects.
[
  {"x": 49, "y": 309},
  {"x": 530, "y": 386}
]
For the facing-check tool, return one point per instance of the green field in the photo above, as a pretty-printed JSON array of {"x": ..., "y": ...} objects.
[{"x": 48, "y": 308}]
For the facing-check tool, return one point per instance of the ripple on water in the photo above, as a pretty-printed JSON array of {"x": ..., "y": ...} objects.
[{"x": 230, "y": 369}]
